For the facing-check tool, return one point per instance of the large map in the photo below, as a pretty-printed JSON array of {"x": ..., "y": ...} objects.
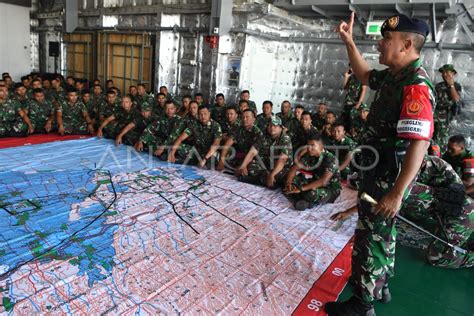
[{"x": 90, "y": 228}]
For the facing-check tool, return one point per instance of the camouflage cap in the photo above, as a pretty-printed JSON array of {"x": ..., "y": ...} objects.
[
  {"x": 276, "y": 120},
  {"x": 448, "y": 67},
  {"x": 403, "y": 23}
]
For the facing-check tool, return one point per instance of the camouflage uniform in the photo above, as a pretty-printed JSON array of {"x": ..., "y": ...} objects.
[
  {"x": 73, "y": 117},
  {"x": 39, "y": 114},
  {"x": 56, "y": 96},
  {"x": 420, "y": 206},
  {"x": 94, "y": 106},
  {"x": 160, "y": 132},
  {"x": 318, "y": 120},
  {"x": 354, "y": 89},
  {"x": 11, "y": 124},
  {"x": 357, "y": 128},
  {"x": 445, "y": 107},
  {"x": 262, "y": 121},
  {"x": 252, "y": 105},
  {"x": 262, "y": 164},
  {"x": 218, "y": 113},
  {"x": 121, "y": 119},
  {"x": 243, "y": 140},
  {"x": 390, "y": 119},
  {"x": 462, "y": 164},
  {"x": 341, "y": 149},
  {"x": 148, "y": 99},
  {"x": 106, "y": 110},
  {"x": 316, "y": 167},
  {"x": 203, "y": 137},
  {"x": 300, "y": 138},
  {"x": 228, "y": 128},
  {"x": 133, "y": 136}
]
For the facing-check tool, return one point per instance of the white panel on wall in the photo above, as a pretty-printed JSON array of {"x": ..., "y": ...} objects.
[{"x": 15, "y": 35}]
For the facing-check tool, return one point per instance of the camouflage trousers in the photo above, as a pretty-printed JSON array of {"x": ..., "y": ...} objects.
[
  {"x": 315, "y": 196},
  {"x": 13, "y": 129},
  {"x": 373, "y": 254},
  {"x": 441, "y": 135},
  {"x": 419, "y": 207},
  {"x": 75, "y": 127},
  {"x": 190, "y": 155},
  {"x": 258, "y": 173}
]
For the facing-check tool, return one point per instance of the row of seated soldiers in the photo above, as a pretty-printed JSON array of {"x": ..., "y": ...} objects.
[{"x": 294, "y": 150}]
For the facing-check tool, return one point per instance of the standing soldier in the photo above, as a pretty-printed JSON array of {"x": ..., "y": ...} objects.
[
  {"x": 448, "y": 104},
  {"x": 401, "y": 114},
  {"x": 72, "y": 116},
  {"x": 268, "y": 161},
  {"x": 355, "y": 94}
]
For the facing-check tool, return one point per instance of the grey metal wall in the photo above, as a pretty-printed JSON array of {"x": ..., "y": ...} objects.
[{"x": 282, "y": 57}]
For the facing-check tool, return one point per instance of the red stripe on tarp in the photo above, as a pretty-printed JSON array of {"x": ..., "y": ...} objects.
[
  {"x": 329, "y": 285},
  {"x": 36, "y": 139}
]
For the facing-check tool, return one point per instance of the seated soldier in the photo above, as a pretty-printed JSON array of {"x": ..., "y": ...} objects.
[
  {"x": 158, "y": 135},
  {"x": 207, "y": 137},
  {"x": 437, "y": 200},
  {"x": 184, "y": 108},
  {"x": 218, "y": 111},
  {"x": 199, "y": 98},
  {"x": 188, "y": 121},
  {"x": 268, "y": 160},
  {"x": 143, "y": 97},
  {"x": 86, "y": 98},
  {"x": 107, "y": 107},
  {"x": 133, "y": 93},
  {"x": 326, "y": 130},
  {"x": 72, "y": 116},
  {"x": 245, "y": 96},
  {"x": 57, "y": 93},
  {"x": 243, "y": 105},
  {"x": 294, "y": 123},
  {"x": 160, "y": 104},
  {"x": 231, "y": 122},
  {"x": 122, "y": 116},
  {"x": 305, "y": 128},
  {"x": 263, "y": 119},
  {"x": 241, "y": 140},
  {"x": 315, "y": 179},
  {"x": 462, "y": 161},
  {"x": 319, "y": 118},
  {"x": 13, "y": 119},
  {"x": 21, "y": 96},
  {"x": 287, "y": 117},
  {"x": 130, "y": 134},
  {"x": 358, "y": 124},
  {"x": 41, "y": 112},
  {"x": 355, "y": 113},
  {"x": 342, "y": 146}
]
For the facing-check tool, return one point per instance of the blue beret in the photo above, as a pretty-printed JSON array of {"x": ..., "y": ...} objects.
[{"x": 402, "y": 23}]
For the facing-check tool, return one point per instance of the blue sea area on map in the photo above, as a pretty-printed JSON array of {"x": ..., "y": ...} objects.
[{"x": 39, "y": 187}]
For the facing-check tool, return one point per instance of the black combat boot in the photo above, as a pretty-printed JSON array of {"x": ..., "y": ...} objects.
[{"x": 352, "y": 307}]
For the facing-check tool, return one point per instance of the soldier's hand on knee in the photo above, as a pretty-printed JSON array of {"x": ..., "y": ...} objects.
[
  {"x": 61, "y": 130},
  {"x": 220, "y": 166}
]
